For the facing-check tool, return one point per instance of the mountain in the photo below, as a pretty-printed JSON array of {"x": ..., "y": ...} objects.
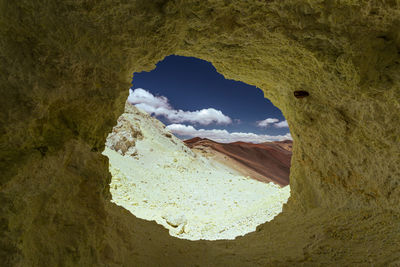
[
  {"x": 156, "y": 176},
  {"x": 266, "y": 162}
]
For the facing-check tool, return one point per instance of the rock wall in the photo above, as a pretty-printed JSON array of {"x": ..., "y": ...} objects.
[{"x": 65, "y": 68}]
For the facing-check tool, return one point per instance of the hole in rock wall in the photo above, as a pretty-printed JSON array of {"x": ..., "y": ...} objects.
[{"x": 207, "y": 158}]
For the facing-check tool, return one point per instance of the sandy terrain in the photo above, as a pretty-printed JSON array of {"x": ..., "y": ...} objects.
[
  {"x": 194, "y": 197},
  {"x": 266, "y": 162}
]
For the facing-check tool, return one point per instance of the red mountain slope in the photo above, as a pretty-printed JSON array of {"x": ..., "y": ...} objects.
[{"x": 265, "y": 162}]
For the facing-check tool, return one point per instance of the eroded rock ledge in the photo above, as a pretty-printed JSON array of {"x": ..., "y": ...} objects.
[{"x": 65, "y": 69}]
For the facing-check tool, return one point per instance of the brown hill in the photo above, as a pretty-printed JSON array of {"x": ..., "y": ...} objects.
[{"x": 266, "y": 162}]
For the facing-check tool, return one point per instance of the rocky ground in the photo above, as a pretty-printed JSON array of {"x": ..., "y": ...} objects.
[{"x": 157, "y": 177}]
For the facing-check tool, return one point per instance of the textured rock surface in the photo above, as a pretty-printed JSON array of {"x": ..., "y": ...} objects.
[
  {"x": 65, "y": 67},
  {"x": 124, "y": 134}
]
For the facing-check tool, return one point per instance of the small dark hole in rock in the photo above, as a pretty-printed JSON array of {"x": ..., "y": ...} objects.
[
  {"x": 301, "y": 94},
  {"x": 384, "y": 37}
]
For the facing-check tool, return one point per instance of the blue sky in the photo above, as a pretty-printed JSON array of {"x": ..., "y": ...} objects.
[{"x": 190, "y": 96}]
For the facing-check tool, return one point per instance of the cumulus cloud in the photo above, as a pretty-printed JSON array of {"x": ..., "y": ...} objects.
[
  {"x": 272, "y": 121},
  {"x": 148, "y": 100},
  {"x": 266, "y": 122},
  {"x": 223, "y": 136},
  {"x": 282, "y": 124},
  {"x": 159, "y": 106}
]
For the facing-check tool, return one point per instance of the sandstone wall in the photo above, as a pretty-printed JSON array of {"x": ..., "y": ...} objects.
[{"x": 65, "y": 68}]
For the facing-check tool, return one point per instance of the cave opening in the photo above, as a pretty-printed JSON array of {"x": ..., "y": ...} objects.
[{"x": 183, "y": 153}]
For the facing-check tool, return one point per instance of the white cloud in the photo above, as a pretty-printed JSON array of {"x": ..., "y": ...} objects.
[
  {"x": 224, "y": 136},
  {"x": 159, "y": 106},
  {"x": 266, "y": 122},
  {"x": 272, "y": 121},
  {"x": 282, "y": 124},
  {"x": 144, "y": 97}
]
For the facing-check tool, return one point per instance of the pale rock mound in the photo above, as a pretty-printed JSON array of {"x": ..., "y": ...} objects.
[
  {"x": 193, "y": 196},
  {"x": 123, "y": 136}
]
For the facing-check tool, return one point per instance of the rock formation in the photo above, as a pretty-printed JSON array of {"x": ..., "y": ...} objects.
[
  {"x": 266, "y": 162},
  {"x": 193, "y": 196},
  {"x": 124, "y": 134},
  {"x": 65, "y": 69}
]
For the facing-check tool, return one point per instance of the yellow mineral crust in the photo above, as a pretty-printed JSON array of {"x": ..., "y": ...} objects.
[
  {"x": 65, "y": 67},
  {"x": 192, "y": 196}
]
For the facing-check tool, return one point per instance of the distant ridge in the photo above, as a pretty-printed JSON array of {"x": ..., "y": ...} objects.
[{"x": 266, "y": 162}]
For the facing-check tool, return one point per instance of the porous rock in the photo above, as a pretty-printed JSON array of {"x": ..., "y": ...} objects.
[{"x": 65, "y": 68}]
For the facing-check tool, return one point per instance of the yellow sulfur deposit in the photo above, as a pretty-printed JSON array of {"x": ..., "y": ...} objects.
[{"x": 192, "y": 196}]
